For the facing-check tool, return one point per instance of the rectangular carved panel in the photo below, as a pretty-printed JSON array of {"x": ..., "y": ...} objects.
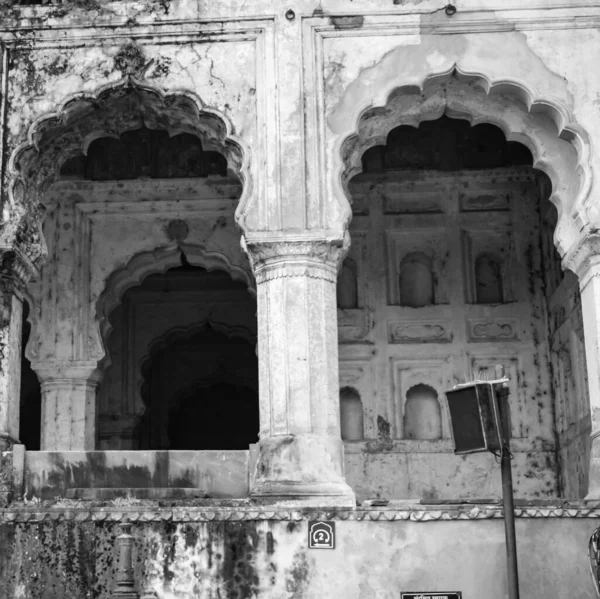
[
  {"x": 423, "y": 331},
  {"x": 498, "y": 329}
]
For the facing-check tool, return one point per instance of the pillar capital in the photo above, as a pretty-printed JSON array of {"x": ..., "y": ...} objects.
[
  {"x": 16, "y": 269},
  {"x": 317, "y": 257},
  {"x": 49, "y": 371},
  {"x": 584, "y": 259}
]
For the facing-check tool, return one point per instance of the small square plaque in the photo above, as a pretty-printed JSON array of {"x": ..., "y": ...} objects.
[{"x": 321, "y": 534}]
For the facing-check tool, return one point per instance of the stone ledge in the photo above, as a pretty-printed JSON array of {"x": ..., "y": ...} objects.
[{"x": 414, "y": 513}]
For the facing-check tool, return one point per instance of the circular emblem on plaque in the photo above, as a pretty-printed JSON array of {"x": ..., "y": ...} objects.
[{"x": 321, "y": 535}]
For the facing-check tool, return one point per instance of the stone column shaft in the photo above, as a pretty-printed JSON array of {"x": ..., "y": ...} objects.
[
  {"x": 300, "y": 448},
  {"x": 586, "y": 264},
  {"x": 10, "y": 364},
  {"x": 15, "y": 271},
  {"x": 68, "y": 405}
]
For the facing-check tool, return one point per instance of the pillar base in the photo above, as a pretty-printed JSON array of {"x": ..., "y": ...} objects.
[
  {"x": 301, "y": 470},
  {"x": 594, "y": 478}
]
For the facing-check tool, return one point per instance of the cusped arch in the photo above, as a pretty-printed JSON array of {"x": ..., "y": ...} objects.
[
  {"x": 109, "y": 112},
  {"x": 546, "y": 126},
  {"x": 158, "y": 261}
]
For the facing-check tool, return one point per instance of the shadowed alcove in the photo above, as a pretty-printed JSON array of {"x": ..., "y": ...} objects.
[{"x": 183, "y": 360}]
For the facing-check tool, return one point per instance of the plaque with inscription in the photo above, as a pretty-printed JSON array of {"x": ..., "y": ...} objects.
[{"x": 436, "y": 595}]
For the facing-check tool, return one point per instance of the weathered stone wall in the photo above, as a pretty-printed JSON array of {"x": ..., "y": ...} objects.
[
  {"x": 452, "y": 217},
  {"x": 185, "y": 555}
]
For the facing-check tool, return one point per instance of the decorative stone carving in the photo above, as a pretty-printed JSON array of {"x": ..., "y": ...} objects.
[
  {"x": 16, "y": 268},
  {"x": 315, "y": 258},
  {"x": 242, "y": 512},
  {"x": 420, "y": 332},
  {"x": 131, "y": 61},
  {"x": 583, "y": 258},
  {"x": 124, "y": 577},
  {"x": 493, "y": 330},
  {"x": 479, "y": 202},
  {"x": 177, "y": 230}
]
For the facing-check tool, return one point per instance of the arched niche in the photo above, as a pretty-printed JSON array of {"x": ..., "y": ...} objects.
[
  {"x": 559, "y": 147},
  {"x": 347, "y": 285},
  {"x": 110, "y": 112},
  {"x": 351, "y": 415},
  {"x": 416, "y": 280},
  {"x": 489, "y": 286},
  {"x": 422, "y": 414}
]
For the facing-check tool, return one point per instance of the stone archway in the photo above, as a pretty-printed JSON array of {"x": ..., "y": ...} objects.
[
  {"x": 33, "y": 169},
  {"x": 559, "y": 147},
  {"x": 110, "y": 111},
  {"x": 458, "y": 96}
]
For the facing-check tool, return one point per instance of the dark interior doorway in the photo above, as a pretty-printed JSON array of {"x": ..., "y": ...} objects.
[
  {"x": 200, "y": 392},
  {"x": 30, "y": 403}
]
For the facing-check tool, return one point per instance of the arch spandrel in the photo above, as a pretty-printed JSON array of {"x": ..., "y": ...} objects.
[{"x": 464, "y": 77}]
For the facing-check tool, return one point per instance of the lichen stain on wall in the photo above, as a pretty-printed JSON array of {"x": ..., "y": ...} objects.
[
  {"x": 212, "y": 560},
  {"x": 47, "y": 77}
]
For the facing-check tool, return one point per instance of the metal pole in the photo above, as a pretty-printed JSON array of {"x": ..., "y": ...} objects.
[
  {"x": 503, "y": 420},
  {"x": 509, "y": 524}
]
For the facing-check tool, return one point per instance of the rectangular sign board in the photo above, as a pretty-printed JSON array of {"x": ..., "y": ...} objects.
[{"x": 436, "y": 595}]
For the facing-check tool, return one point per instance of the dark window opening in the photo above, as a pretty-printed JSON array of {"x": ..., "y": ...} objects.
[
  {"x": 145, "y": 153},
  {"x": 445, "y": 144}
]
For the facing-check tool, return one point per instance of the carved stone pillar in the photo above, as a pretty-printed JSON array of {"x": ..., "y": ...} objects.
[
  {"x": 68, "y": 404},
  {"x": 300, "y": 456},
  {"x": 15, "y": 272},
  {"x": 585, "y": 262}
]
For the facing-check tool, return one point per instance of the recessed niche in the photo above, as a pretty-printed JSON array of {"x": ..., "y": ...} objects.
[
  {"x": 415, "y": 280},
  {"x": 422, "y": 414},
  {"x": 488, "y": 279},
  {"x": 347, "y": 287},
  {"x": 351, "y": 415}
]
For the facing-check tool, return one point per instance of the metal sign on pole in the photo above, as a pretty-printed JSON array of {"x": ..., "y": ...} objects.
[{"x": 480, "y": 420}]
